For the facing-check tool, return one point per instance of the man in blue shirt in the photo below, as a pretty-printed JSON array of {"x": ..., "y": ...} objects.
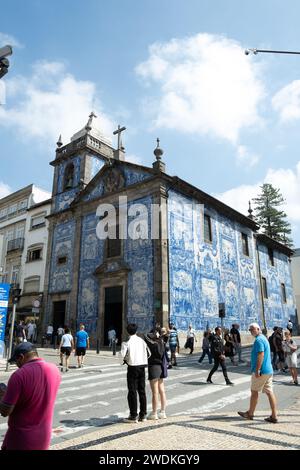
[
  {"x": 262, "y": 374},
  {"x": 82, "y": 342}
]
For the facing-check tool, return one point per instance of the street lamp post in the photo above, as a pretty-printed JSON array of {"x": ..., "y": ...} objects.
[
  {"x": 4, "y": 62},
  {"x": 256, "y": 51},
  {"x": 16, "y": 293}
]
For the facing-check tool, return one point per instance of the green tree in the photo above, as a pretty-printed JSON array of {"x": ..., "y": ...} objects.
[{"x": 272, "y": 220}]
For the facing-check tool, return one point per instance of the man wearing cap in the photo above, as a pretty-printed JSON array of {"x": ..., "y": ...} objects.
[
  {"x": 262, "y": 374},
  {"x": 29, "y": 400}
]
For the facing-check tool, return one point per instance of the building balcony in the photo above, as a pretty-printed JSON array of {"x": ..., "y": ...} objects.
[{"x": 16, "y": 244}]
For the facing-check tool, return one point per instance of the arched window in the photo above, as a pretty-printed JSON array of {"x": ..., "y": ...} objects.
[{"x": 69, "y": 176}]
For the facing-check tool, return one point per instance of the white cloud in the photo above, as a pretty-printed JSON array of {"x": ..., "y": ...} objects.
[
  {"x": 8, "y": 39},
  {"x": 246, "y": 158},
  {"x": 238, "y": 197},
  {"x": 287, "y": 102},
  {"x": 49, "y": 103},
  {"x": 206, "y": 86},
  {"x": 132, "y": 158},
  {"x": 287, "y": 180},
  {"x": 5, "y": 190}
]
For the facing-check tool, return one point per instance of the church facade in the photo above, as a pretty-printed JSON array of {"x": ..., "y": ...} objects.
[{"x": 179, "y": 263}]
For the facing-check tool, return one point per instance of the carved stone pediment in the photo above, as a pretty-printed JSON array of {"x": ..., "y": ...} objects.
[{"x": 112, "y": 267}]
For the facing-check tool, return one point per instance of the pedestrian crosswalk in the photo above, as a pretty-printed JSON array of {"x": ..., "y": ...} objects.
[{"x": 97, "y": 395}]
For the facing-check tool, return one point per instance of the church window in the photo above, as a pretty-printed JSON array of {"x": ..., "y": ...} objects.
[
  {"x": 245, "y": 244},
  {"x": 264, "y": 287},
  {"x": 69, "y": 176},
  {"x": 207, "y": 229},
  {"x": 113, "y": 246},
  {"x": 271, "y": 256},
  {"x": 61, "y": 260},
  {"x": 283, "y": 293}
]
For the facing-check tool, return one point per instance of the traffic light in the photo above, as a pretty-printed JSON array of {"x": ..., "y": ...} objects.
[{"x": 222, "y": 310}]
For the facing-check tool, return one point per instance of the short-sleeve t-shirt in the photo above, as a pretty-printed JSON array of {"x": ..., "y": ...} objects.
[
  {"x": 261, "y": 344},
  {"x": 32, "y": 389},
  {"x": 66, "y": 340},
  {"x": 81, "y": 337}
]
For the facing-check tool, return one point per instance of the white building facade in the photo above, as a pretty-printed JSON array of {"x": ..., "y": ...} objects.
[{"x": 23, "y": 242}]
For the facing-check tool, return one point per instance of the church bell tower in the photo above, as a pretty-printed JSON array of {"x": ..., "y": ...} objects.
[{"x": 77, "y": 162}]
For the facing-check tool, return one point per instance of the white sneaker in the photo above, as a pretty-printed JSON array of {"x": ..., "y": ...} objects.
[
  {"x": 162, "y": 415},
  {"x": 152, "y": 416}
]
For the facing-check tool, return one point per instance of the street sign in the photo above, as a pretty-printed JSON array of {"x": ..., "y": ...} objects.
[
  {"x": 35, "y": 310},
  {"x": 4, "y": 296},
  {"x": 36, "y": 303}
]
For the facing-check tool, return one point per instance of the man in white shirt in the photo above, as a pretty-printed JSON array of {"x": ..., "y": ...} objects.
[
  {"x": 290, "y": 326},
  {"x": 31, "y": 328},
  {"x": 112, "y": 336},
  {"x": 135, "y": 353}
]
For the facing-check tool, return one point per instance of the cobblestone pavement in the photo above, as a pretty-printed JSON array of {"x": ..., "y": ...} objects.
[{"x": 222, "y": 431}]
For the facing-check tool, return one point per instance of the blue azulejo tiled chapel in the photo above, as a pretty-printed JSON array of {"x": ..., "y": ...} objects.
[{"x": 177, "y": 264}]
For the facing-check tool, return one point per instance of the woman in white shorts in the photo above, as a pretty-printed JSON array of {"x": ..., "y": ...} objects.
[{"x": 290, "y": 350}]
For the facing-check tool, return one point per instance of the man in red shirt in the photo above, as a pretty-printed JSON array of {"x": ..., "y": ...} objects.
[{"x": 29, "y": 400}]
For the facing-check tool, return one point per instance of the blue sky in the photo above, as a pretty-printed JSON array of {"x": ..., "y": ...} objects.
[{"x": 169, "y": 69}]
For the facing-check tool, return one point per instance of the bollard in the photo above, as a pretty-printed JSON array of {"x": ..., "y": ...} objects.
[
  {"x": 54, "y": 341},
  {"x": 42, "y": 341},
  {"x": 98, "y": 346},
  {"x": 114, "y": 344}
]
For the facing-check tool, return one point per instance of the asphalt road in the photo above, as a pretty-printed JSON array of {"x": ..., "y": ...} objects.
[{"x": 97, "y": 394}]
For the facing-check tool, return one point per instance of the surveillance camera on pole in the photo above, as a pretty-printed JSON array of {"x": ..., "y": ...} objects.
[{"x": 4, "y": 62}]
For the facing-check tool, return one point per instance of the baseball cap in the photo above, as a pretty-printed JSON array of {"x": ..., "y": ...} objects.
[{"x": 22, "y": 348}]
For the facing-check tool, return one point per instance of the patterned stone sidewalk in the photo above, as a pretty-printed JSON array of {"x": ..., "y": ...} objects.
[{"x": 197, "y": 432}]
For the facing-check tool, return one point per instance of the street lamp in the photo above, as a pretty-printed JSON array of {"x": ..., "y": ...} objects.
[
  {"x": 256, "y": 51},
  {"x": 4, "y": 62},
  {"x": 16, "y": 294}
]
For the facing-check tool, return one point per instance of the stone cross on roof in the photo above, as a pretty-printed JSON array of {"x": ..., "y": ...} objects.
[
  {"x": 118, "y": 131},
  {"x": 89, "y": 123}
]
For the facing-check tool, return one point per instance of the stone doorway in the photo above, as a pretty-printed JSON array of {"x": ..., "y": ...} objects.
[
  {"x": 59, "y": 313},
  {"x": 113, "y": 311}
]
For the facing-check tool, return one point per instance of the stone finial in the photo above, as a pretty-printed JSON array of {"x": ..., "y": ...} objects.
[
  {"x": 59, "y": 142},
  {"x": 158, "y": 152},
  {"x": 88, "y": 126},
  {"x": 250, "y": 211},
  {"x": 158, "y": 165}
]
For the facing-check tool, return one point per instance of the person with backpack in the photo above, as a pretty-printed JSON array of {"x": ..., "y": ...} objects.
[
  {"x": 173, "y": 343},
  {"x": 157, "y": 370}
]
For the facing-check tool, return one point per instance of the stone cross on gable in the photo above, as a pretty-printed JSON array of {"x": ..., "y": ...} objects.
[{"x": 118, "y": 131}]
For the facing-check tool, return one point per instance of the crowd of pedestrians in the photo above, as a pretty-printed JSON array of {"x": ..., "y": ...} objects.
[{"x": 29, "y": 397}]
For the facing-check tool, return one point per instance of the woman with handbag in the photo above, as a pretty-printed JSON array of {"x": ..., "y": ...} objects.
[
  {"x": 190, "y": 338},
  {"x": 290, "y": 350}
]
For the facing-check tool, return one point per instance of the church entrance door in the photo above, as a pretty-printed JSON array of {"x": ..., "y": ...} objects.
[
  {"x": 59, "y": 312},
  {"x": 113, "y": 311}
]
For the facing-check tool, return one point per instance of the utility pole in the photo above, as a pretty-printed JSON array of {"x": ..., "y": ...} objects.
[{"x": 16, "y": 293}]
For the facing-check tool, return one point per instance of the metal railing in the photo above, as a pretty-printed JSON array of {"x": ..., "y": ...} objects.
[{"x": 16, "y": 244}]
